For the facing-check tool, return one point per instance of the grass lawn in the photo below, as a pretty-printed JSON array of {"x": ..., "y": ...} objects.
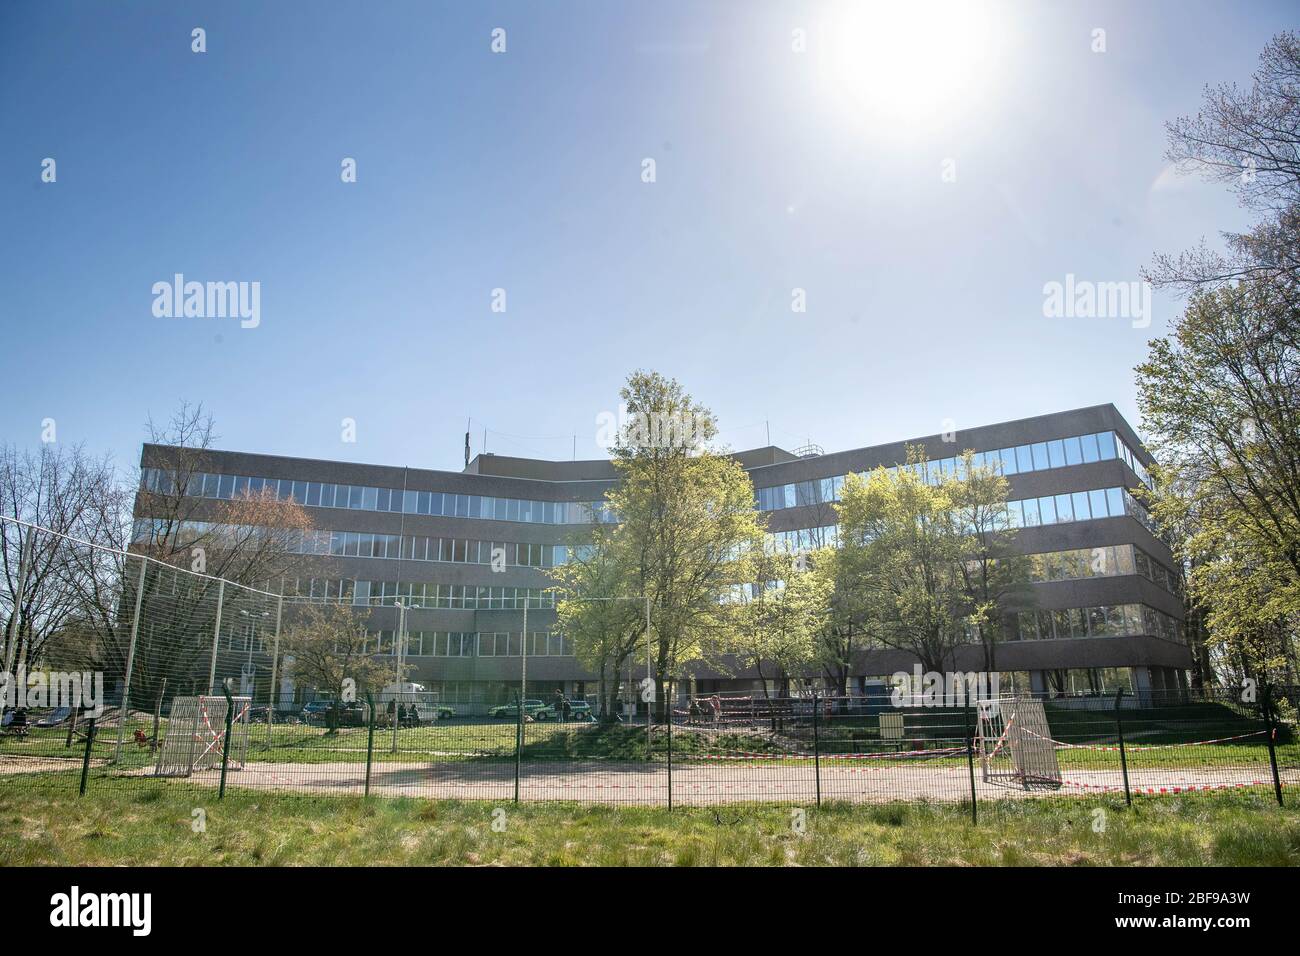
[
  {"x": 43, "y": 822},
  {"x": 495, "y": 741}
]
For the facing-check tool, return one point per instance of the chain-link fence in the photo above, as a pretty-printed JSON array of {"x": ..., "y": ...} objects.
[{"x": 182, "y": 682}]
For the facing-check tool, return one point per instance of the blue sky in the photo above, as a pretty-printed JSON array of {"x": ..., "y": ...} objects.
[{"x": 775, "y": 170}]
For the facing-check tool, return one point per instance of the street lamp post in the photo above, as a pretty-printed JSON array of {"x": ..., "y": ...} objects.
[
  {"x": 248, "y": 667},
  {"x": 399, "y": 648}
]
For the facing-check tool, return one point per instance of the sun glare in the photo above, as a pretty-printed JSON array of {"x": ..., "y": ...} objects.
[{"x": 911, "y": 60}]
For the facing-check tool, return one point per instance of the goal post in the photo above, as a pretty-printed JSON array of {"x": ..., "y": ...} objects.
[
  {"x": 1015, "y": 743},
  {"x": 196, "y": 735}
]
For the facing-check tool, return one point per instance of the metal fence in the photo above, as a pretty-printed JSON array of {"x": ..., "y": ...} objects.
[
  {"x": 192, "y": 671},
  {"x": 801, "y": 751}
]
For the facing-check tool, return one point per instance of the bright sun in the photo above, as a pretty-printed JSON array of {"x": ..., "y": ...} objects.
[{"x": 911, "y": 60}]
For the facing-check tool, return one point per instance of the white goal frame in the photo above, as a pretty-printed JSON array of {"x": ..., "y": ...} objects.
[
  {"x": 1015, "y": 743},
  {"x": 196, "y": 731}
]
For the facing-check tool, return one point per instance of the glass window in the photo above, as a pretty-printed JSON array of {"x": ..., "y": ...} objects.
[
  {"x": 1064, "y": 510},
  {"x": 1030, "y": 508},
  {"x": 369, "y": 499},
  {"x": 1055, "y": 453},
  {"x": 1097, "y": 499},
  {"x": 1008, "y": 458},
  {"x": 1080, "y": 501},
  {"x": 1073, "y": 451},
  {"x": 1024, "y": 458},
  {"x": 1089, "y": 443},
  {"x": 1041, "y": 460},
  {"x": 1015, "y": 515},
  {"x": 1047, "y": 509},
  {"x": 1114, "y": 502},
  {"x": 1078, "y": 621},
  {"x": 1106, "y": 445},
  {"x": 1063, "y": 623},
  {"x": 385, "y": 498},
  {"x": 1097, "y": 622},
  {"x": 241, "y": 486}
]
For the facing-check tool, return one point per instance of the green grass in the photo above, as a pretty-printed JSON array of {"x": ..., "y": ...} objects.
[
  {"x": 43, "y": 822},
  {"x": 495, "y": 741}
]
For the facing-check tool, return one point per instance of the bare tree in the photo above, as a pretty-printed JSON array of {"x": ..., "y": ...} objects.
[
  {"x": 1248, "y": 139},
  {"x": 65, "y": 497}
]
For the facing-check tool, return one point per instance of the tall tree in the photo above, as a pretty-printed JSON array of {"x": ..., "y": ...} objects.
[
  {"x": 326, "y": 647},
  {"x": 599, "y": 611},
  {"x": 777, "y": 628},
  {"x": 1249, "y": 139},
  {"x": 1220, "y": 397},
  {"x": 688, "y": 528},
  {"x": 70, "y": 503},
  {"x": 928, "y": 566}
]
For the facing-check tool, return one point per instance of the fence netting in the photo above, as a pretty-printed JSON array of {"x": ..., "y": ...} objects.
[{"x": 186, "y": 684}]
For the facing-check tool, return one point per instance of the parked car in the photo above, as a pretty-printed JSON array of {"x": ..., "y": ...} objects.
[
  {"x": 55, "y": 718},
  {"x": 531, "y": 707},
  {"x": 349, "y": 714},
  {"x": 443, "y": 712},
  {"x": 579, "y": 710},
  {"x": 315, "y": 711}
]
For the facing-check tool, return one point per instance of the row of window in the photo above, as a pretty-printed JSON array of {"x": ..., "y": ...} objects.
[
  {"x": 1021, "y": 513},
  {"x": 1110, "y": 561},
  {"x": 420, "y": 595},
  {"x": 1039, "y": 456},
  {"x": 470, "y": 644},
  {"x": 1114, "y": 620},
  {"x": 361, "y": 544},
  {"x": 317, "y": 494},
  {"x": 355, "y": 544}
]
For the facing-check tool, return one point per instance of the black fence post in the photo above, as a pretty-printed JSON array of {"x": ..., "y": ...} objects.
[
  {"x": 1270, "y": 725},
  {"x": 85, "y": 760},
  {"x": 370, "y": 739},
  {"x": 225, "y": 744},
  {"x": 668, "y": 716},
  {"x": 519, "y": 739},
  {"x": 970, "y": 763},
  {"x": 1123, "y": 754},
  {"x": 817, "y": 752}
]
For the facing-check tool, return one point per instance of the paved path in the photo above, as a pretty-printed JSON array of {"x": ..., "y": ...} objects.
[{"x": 702, "y": 784}]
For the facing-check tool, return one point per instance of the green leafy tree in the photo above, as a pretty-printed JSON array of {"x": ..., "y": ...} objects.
[
  {"x": 776, "y": 630},
  {"x": 925, "y": 567},
  {"x": 688, "y": 528},
  {"x": 598, "y": 610},
  {"x": 326, "y": 647},
  {"x": 1220, "y": 397}
]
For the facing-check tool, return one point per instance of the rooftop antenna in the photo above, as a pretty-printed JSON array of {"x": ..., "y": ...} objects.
[{"x": 468, "y": 422}]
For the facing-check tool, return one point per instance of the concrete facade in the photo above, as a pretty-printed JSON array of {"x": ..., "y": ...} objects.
[{"x": 1150, "y": 659}]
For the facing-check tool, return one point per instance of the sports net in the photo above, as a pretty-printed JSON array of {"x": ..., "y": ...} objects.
[
  {"x": 1015, "y": 744},
  {"x": 196, "y": 735}
]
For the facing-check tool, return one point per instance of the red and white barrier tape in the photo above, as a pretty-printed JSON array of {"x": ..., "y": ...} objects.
[
  {"x": 1175, "y": 788},
  {"x": 742, "y": 755},
  {"x": 1062, "y": 745}
]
